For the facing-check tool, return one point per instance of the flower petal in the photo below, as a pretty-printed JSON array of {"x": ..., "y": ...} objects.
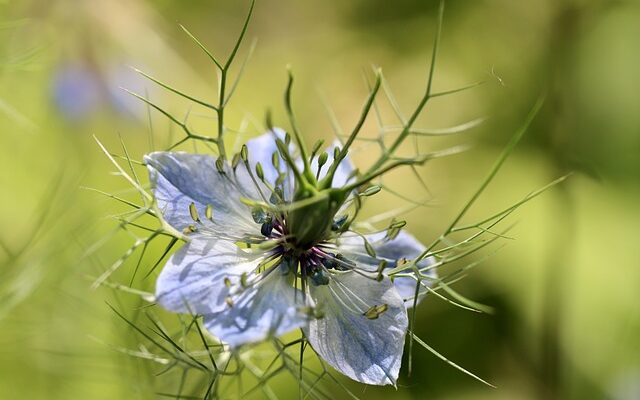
[
  {"x": 261, "y": 150},
  {"x": 365, "y": 349},
  {"x": 193, "y": 280},
  {"x": 180, "y": 179},
  {"x": 404, "y": 246},
  {"x": 272, "y": 307}
]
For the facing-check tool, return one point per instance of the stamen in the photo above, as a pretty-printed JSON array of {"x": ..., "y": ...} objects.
[
  {"x": 369, "y": 248},
  {"x": 275, "y": 160},
  {"x": 371, "y": 190},
  {"x": 259, "y": 215},
  {"x": 277, "y": 196},
  {"x": 346, "y": 300},
  {"x": 244, "y": 153},
  {"x": 339, "y": 222},
  {"x": 235, "y": 161},
  {"x": 381, "y": 267},
  {"x": 259, "y": 171},
  {"x": 376, "y": 311},
  {"x": 394, "y": 229},
  {"x": 189, "y": 229},
  {"x": 243, "y": 280},
  {"x": 194, "y": 212},
  {"x": 319, "y": 276},
  {"x": 208, "y": 212},
  {"x": 341, "y": 263},
  {"x": 267, "y": 228}
]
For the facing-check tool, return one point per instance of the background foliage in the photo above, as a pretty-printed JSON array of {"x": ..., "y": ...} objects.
[{"x": 567, "y": 317}]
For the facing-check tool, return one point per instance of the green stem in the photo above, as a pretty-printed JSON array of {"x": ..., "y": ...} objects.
[
  {"x": 221, "y": 95},
  {"x": 412, "y": 119},
  {"x": 363, "y": 116},
  {"x": 296, "y": 133}
]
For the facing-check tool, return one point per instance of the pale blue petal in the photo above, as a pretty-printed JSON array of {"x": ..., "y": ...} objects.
[
  {"x": 270, "y": 308},
  {"x": 403, "y": 246},
  {"x": 261, "y": 150},
  {"x": 179, "y": 179},
  {"x": 366, "y": 350},
  {"x": 193, "y": 280}
]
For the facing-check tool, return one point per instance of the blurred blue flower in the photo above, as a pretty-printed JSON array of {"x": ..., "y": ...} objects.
[
  {"x": 243, "y": 270},
  {"x": 76, "y": 90},
  {"x": 81, "y": 90}
]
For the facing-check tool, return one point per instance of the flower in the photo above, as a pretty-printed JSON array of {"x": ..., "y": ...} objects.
[{"x": 268, "y": 252}]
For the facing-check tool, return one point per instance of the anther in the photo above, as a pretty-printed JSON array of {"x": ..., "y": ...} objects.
[
  {"x": 276, "y": 196},
  {"x": 369, "y": 248},
  {"x": 235, "y": 161},
  {"x": 394, "y": 229},
  {"x": 266, "y": 228},
  {"x": 338, "y": 223},
  {"x": 381, "y": 267},
  {"x": 275, "y": 160},
  {"x": 244, "y": 281},
  {"x": 319, "y": 277},
  {"x": 370, "y": 191},
  {"x": 244, "y": 153},
  {"x": 189, "y": 229},
  {"x": 194, "y": 212},
  {"x": 376, "y": 311},
  {"x": 393, "y": 233},
  {"x": 208, "y": 212},
  {"x": 259, "y": 215},
  {"x": 259, "y": 171}
]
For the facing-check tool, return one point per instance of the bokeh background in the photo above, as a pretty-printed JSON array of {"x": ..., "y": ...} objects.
[{"x": 565, "y": 290}]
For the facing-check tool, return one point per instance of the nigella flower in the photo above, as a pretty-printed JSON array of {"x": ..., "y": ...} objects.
[{"x": 270, "y": 249}]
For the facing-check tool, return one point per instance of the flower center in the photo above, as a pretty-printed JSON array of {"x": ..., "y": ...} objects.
[{"x": 311, "y": 263}]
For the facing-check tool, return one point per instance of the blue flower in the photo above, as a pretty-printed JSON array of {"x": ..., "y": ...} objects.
[
  {"x": 76, "y": 90},
  {"x": 245, "y": 269}
]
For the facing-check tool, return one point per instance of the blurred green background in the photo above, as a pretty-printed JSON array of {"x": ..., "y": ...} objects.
[{"x": 567, "y": 320}]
